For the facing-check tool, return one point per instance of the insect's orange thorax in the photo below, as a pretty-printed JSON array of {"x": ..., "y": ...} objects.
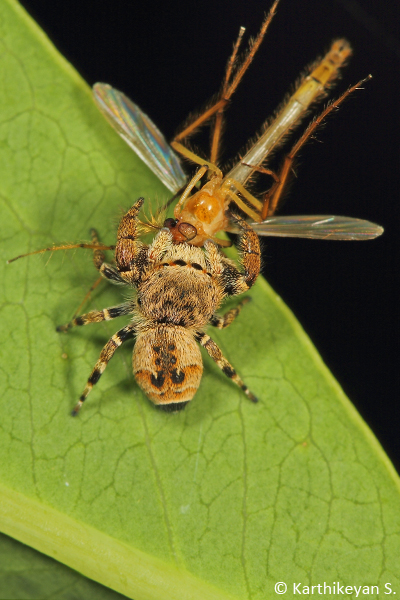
[{"x": 205, "y": 210}]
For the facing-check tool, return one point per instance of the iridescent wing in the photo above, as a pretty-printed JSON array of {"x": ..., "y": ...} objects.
[
  {"x": 320, "y": 227},
  {"x": 135, "y": 127}
]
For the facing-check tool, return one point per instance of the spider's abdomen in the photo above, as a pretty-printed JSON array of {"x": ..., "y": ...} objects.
[{"x": 167, "y": 364}]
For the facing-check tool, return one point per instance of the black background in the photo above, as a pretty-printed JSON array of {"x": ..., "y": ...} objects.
[{"x": 169, "y": 58}]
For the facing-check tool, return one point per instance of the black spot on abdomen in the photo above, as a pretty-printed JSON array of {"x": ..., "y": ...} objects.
[
  {"x": 158, "y": 381},
  {"x": 177, "y": 377}
]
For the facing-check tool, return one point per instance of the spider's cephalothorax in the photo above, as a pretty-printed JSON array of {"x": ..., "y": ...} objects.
[{"x": 179, "y": 288}]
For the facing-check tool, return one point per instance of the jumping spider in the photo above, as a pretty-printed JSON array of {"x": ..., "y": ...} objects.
[{"x": 179, "y": 288}]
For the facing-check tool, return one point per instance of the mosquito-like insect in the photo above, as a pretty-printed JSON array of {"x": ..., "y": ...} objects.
[{"x": 201, "y": 213}]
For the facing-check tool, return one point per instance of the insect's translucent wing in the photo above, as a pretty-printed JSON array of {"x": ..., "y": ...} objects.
[
  {"x": 138, "y": 130},
  {"x": 320, "y": 227}
]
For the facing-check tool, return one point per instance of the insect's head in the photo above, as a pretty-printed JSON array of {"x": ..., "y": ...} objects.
[{"x": 181, "y": 232}]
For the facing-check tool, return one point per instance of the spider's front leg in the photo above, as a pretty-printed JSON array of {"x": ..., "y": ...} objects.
[
  {"x": 234, "y": 281},
  {"x": 130, "y": 256},
  {"x": 130, "y": 253}
]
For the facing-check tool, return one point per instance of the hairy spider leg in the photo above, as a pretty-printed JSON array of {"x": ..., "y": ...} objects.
[
  {"x": 220, "y": 322},
  {"x": 215, "y": 353},
  {"x": 106, "y": 355}
]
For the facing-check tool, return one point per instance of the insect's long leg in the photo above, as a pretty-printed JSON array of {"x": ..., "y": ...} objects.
[
  {"x": 218, "y": 123},
  {"x": 220, "y": 360},
  {"x": 227, "y": 90},
  {"x": 189, "y": 188},
  {"x": 231, "y": 183},
  {"x": 273, "y": 199},
  {"x": 107, "y": 271},
  {"x": 105, "y": 356},
  {"x": 198, "y": 160},
  {"x": 264, "y": 170},
  {"x": 246, "y": 209},
  {"x": 228, "y": 187},
  {"x": 199, "y": 121},
  {"x": 87, "y": 296},
  {"x": 64, "y": 247},
  {"x": 231, "y": 61},
  {"x": 254, "y": 46}
]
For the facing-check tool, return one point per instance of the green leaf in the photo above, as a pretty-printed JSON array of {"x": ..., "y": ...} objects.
[
  {"x": 220, "y": 501},
  {"x": 28, "y": 574}
]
